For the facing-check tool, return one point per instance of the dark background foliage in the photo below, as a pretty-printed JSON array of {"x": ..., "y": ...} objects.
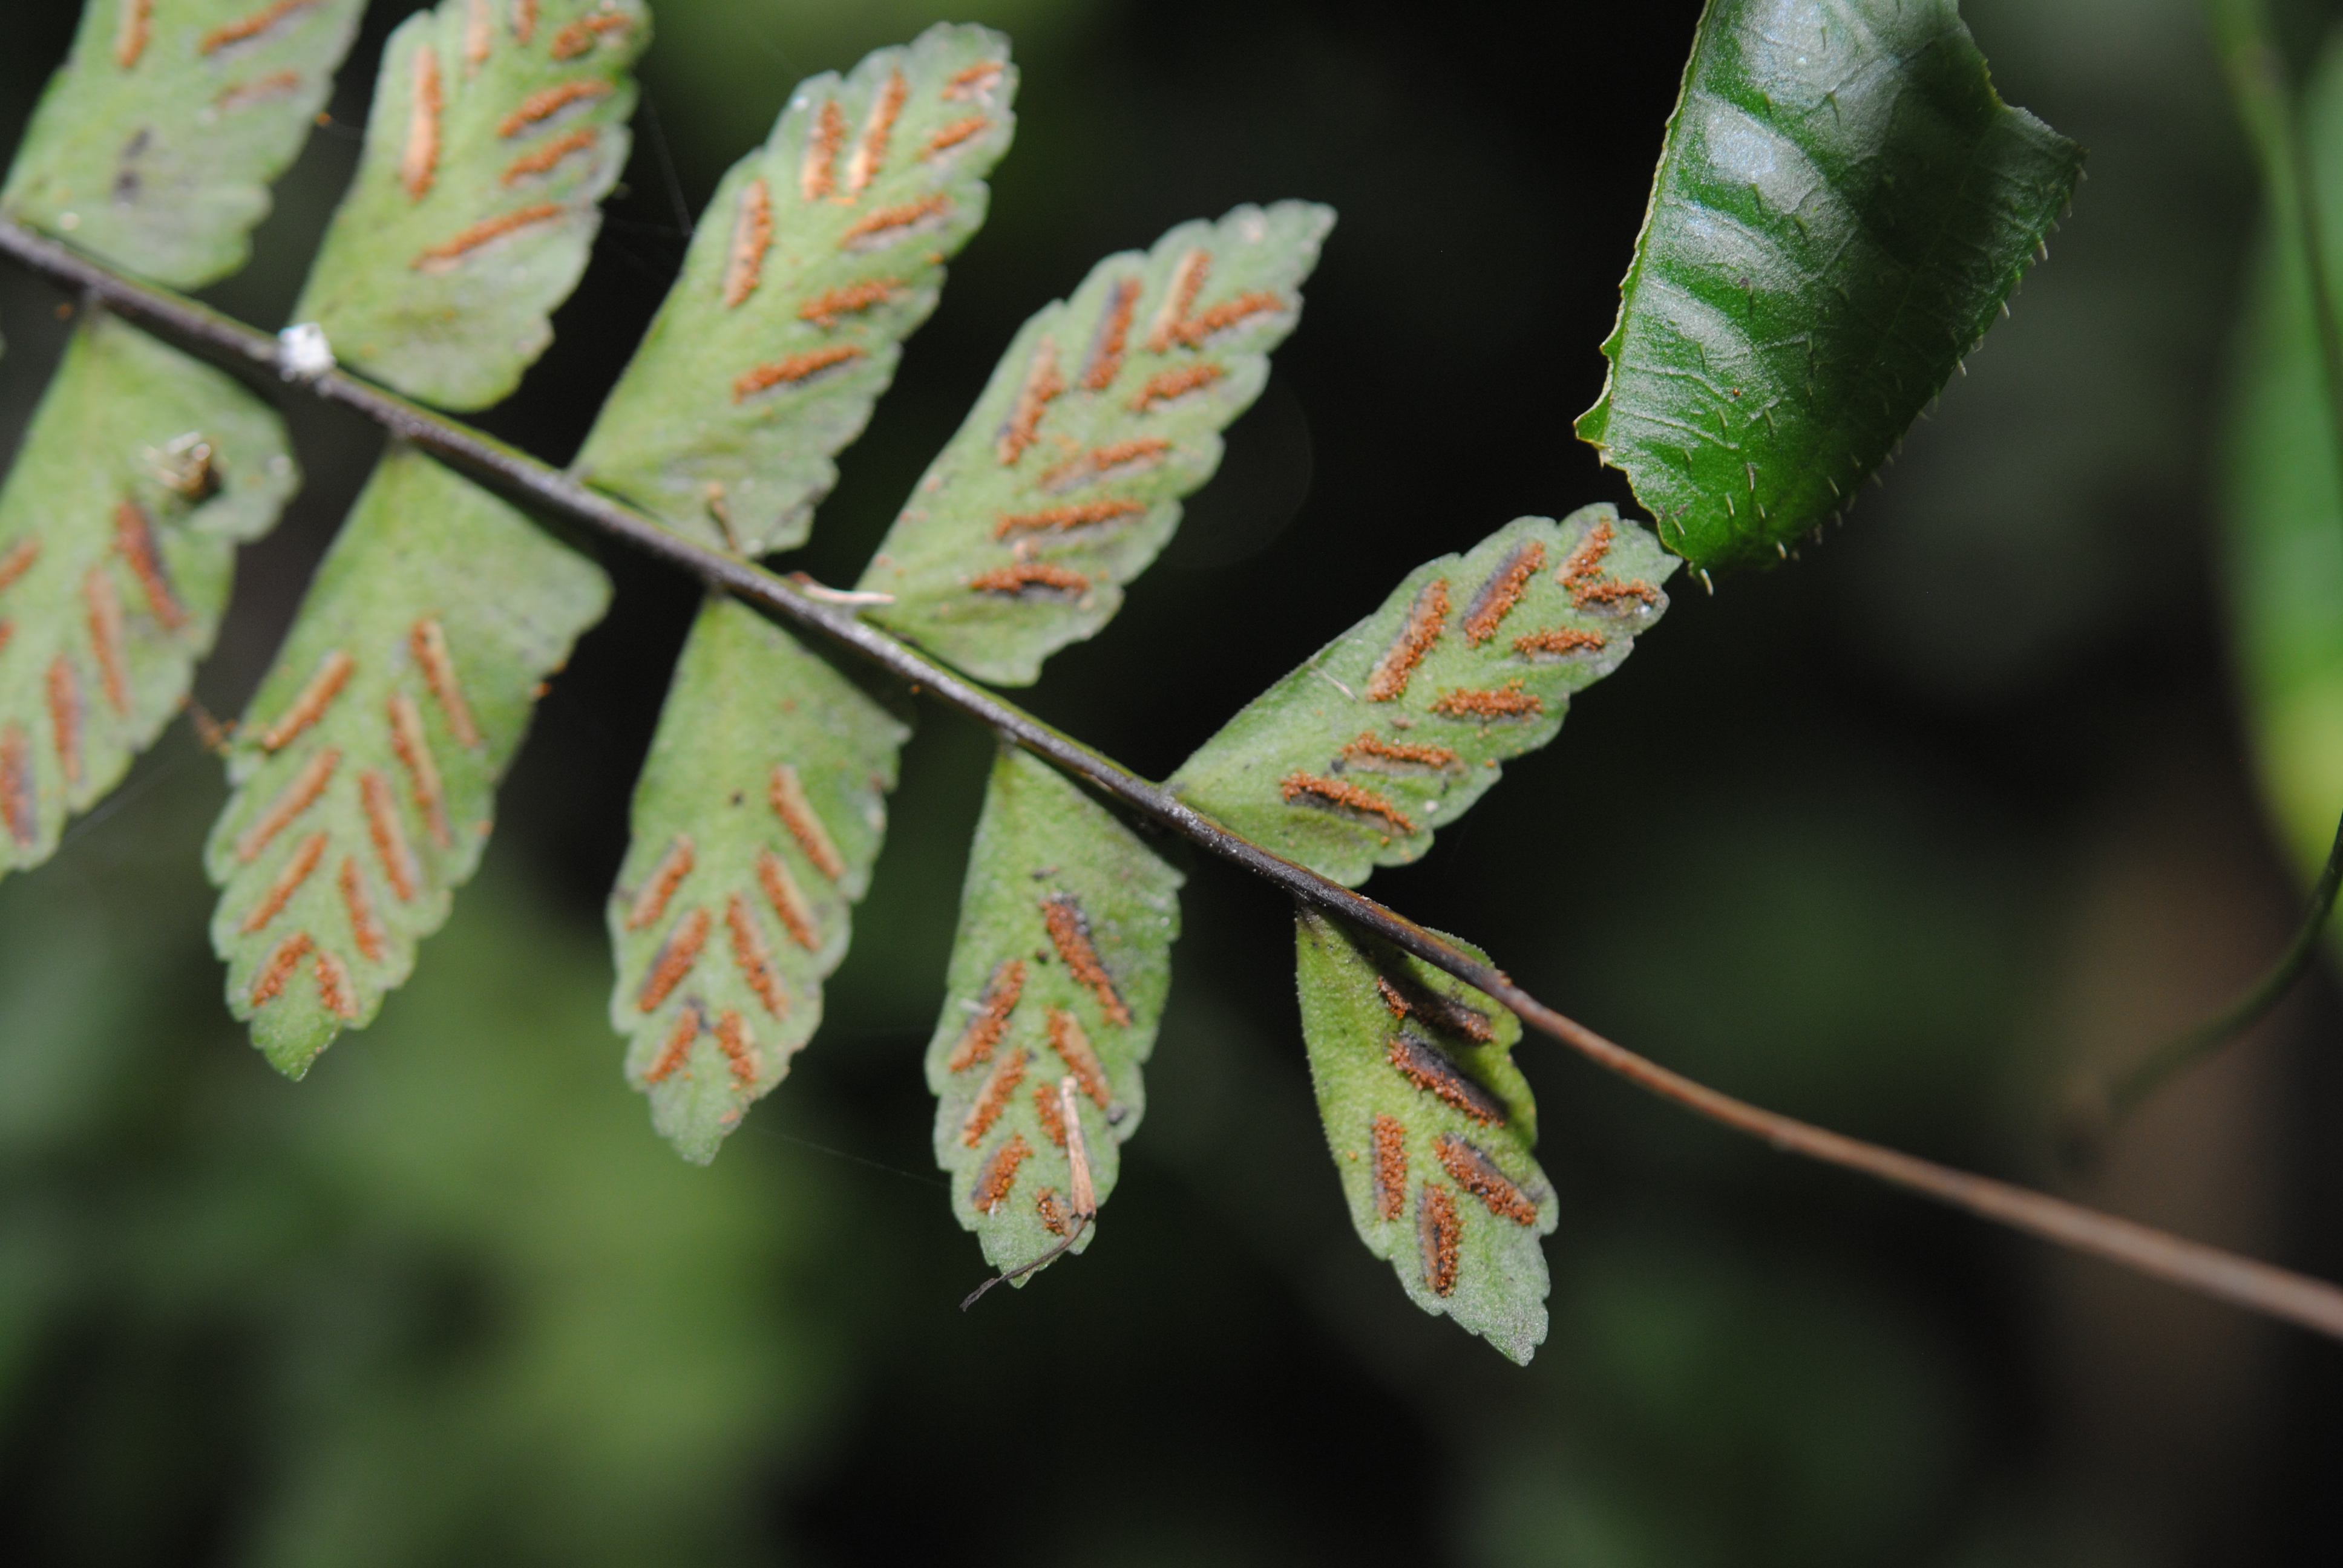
[{"x": 1896, "y": 838}]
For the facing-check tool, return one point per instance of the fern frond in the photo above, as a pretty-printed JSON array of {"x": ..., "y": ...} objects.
[
  {"x": 155, "y": 142},
  {"x": 756, "y": 822},
  {"x": 1065, "y": 481},
  {"x": 821, "y": 253},
  {"x": 1396, "y": 728},
  {"x": 366, "y": 766},
  {"x": 1060, "y": 969},
  {"x": 141, "y": 472},
  {"x": 496, "y": 131},
  {"x": 1430, "y": 1125}
]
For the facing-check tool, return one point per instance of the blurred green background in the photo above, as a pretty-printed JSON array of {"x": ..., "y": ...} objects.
[{"x": 1899, "y": 839}]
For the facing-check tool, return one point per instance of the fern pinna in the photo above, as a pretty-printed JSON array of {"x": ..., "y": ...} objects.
[{"x": 1758, "y": 371}]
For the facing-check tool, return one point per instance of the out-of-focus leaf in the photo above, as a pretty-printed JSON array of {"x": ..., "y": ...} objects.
[
  {"x": 2284, "y": 506},
  {"x": 755, "y": 825},
  {"x": 1065, "y": 481},
  {"x": 366, "y": 766},
  {"x": 155, "y": 143},
  {"x": 819, "y": 253},
  {"x": 1841, "y": 205},
  {"x": 496, "y": 129},
  {"x": 1060, "y": 969},
  {"x": 118, "y": 526},
  {"x": 1396, "y": 726},
  {"x": 1432, "y": 1126}
]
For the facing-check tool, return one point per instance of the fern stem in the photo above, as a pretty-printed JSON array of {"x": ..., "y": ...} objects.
[
  {"x": 2210, "y": 1272},
  {"x": 2266, "y": 105}
]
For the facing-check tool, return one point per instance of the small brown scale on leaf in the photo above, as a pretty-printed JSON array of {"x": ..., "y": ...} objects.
[
  {"x": 984, "y": 1030},
  {"x": 1427, "y": 618},
  {"x": 1439, "y": 1237},
  {"x": 1429, "y": 1068},
  {"x": 1069, "y": 932},
  {"x": 1390, "y": 1171},
  {"x": 1478, "y": 1175},
  {"x": 1000, "y": 1173},
  {"x": 1298, "y": 785}
]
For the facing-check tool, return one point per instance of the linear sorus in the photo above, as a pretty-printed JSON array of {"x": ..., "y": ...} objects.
[
  {"x": 582, "y": 34},
  {"x": 1023, "y": 426},
  {"x": 244, "y": 95},
  {"x": 1398, "y": 1001},
  {"x": 389, "y": 835},
  {"x": 993, "y": 1097},
  {"x": 1390, "y": 1170},
  {"x": 1441, "y": 1010},
  {"x": 1168, "y": 385},
  {"x": 739, "y": 1045},
  {"x": 16, "y": 787},
  {"x": 1062, "y": 520},
  {"x": 440, "y": 256},
  {"x": 413, "y": 752},
  {"x": 1053, "y": 1116},
  {"x": 359, "y": 907},
  {"x": 1113, "y": 461},
  {"x": 479, "y": 32},
  {"x": 547, "y": 102},
  {"x": 1104, "y": 361},
  {"x": 280, "y": 966},
  {"x": 288, "y": 882},
  {"x": 66, "y": 716},
  {"x": 134, "y": 541},
  {"x": 1017, "y": 579},
  {"x": 1584, "y": 561},
  {"x": 1187, "y": 278},
  {"x": 817, "y": 173},
  {"x": 1498, "y": 596},
  {"x": 789, "y": 371},
  {"x": 1427, "y": 618},
  {"x": 871, "y": 151},
  {"x": 650, "y": 903},
  {"x": 991, "y": 1017},
  {"x": 1227, "y": 314},
  {"x": 1506, "y": 702},
  {"x": 1478, "y": 1175},
  {"x": 824, "y": 308},
  {"x": 887, "y": 224},
  {"x": 1371, "y": 747},
  {"x": 132, "y": 26},
  {"x": 332, "y": 674},
  {"x": 1558, "y": 639},
  {"x": 797, "y": 814},
  {"x": 430, "y": 646},
  {"x": 419, "y": 162},
  {"x": 953, "y": 135},
  {"x": 677, "y": 1047},
  {"x": 1052, "y": 1211},
  {"x": 334, "y": 986},
  {"x": 1000, "y": 1173},
  {"x": 752, "y": 236},
  {"x": 676, "y": 957},
  {"x": 246, "y": 28},
  {"x": 1592, "y": 593},
  {"x": 781, "y": 890},
  {"x": 104, "y": 619},
  {"x": 1439, "y": 1236},
  {"x": 1429, "y": 1068},
  {"x": 1073, "y": 1048},
  {"x": 544, "y": 159},
  {"x": 524, "y": 19},
  {"x": 290, "y": 802},
  {"x": 1070, "y": 932},
  {"x": 1310, "y": 789},
  {"x": 18, "y": 561},
  {"x": 976, "y": 82},
  {"x": 752, "y": 957}
]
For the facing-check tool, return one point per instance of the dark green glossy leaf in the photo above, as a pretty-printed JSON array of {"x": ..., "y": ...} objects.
[
  {"x": 155, "y": 143},
  {"x": 139, "y": 476},
  {"x": 1065, "y": 481},
  {"x": 496, "y": 129},
  {"x": 1432, "y": 1125},
  {"x": 759, "y": 814},
  {"x": 1060, "y": 969},
  {"x": 819, "y": 253},
  {"x": 1396, "y": 726},
  {"x": 366, "y": 769},
  {"x": 1842, "y": 205}
]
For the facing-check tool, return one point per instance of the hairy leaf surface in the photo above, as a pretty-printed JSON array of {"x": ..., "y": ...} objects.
[
  {"x": 1841, "y": 205},
  {"x": 1432, "y": 1125},
  {"x": 1065, "y": 481},
  {"x": 118, "y": 526},
  {"x": 365, "y": 767},
  {"x": 496, "y": 129},
  {"x": 2283, "y": 502},
  {"x": 1396, "y": 726},
  {"x": 1060, "y": 967},
  {"x": 819, "y": 253},
  {"x": 755, "y": 825},
  {"x": 155, "y": 143}
]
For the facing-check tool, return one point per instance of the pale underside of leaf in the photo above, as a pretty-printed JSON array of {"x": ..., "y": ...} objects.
[
  {"x": 155, "y": 142},
  {"x": 1430, "y": 1125},
  {"x": 1060, "y": 969},
  {"x": 2282, "y": 507},
  {"x": 1396, "y": 726},
  {"x": 1065, "y": 481},
  {"x": 139, "y": 475},
  {"x": 758, "y": 817},
  {"x": 365, "y": 769},
  {"x": 819, "y": 253},
  {"x": 496, "y": 128},
  {"x": 1841, "y": 207}
]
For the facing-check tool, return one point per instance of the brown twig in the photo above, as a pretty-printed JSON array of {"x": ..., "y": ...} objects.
[{"x": 2209, "y": 1271}]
